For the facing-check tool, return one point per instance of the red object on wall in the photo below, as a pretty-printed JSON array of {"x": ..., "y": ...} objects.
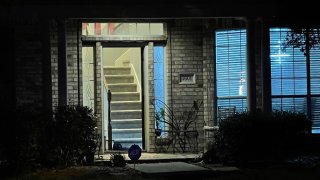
[
  {"x": 97, "y": 27},
  {"x": 85, "y": 27},
  {"x": 111, "y": 27}
]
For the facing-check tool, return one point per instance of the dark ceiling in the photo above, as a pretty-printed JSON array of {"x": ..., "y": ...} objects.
[{"x": 273, "y": 9}]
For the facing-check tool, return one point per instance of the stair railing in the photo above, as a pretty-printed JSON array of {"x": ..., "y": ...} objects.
[{"x": 109, "y": 121}]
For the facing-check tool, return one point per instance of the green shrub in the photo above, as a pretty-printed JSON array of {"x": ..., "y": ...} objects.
[
  {"x": 117, "y": 160},
  {"x": 259, "y": 136},
  {"x": 30, "y": 138},
  {"x": 75, "y": 135}
]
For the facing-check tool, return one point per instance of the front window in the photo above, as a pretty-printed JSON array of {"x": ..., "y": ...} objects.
[
  {"x": 289, "y": 78},
  {"x": 231, "y": 71}
]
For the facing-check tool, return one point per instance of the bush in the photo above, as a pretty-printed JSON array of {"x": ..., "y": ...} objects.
[
  {"x": 260, "y": 136},
  {"x": 117, "y": 160},
  {"x": 30, "y": 138},
  {"x": 75, "y": 135}
]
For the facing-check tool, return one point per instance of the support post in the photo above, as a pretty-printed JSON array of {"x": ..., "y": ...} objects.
[
  {"x": 109, "y": 122},
  {"x": 265, "y": 68},
  {"x": 251, "y": 73}
]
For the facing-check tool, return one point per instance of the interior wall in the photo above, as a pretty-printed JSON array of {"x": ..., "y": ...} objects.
[
  {"x": 110, "y": 55},
  {"x": 124, "y": 57}
]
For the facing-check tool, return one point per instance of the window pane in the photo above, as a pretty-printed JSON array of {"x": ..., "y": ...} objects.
[
  {"x": 88, "y": 76},
  {"x": 288, "y": 66},
  {"x": 315, "y": 112},
  {"x": 231, "y": 63},
  {"x": 315, "y": 71},
  {"x": 156, "y": 28},
  {"x": 112, "y": 28},
  {"x": 159, "y": 85},
  {"x": 290, "y": 104},
  {"x": 289, "y": 77},
  {"x": 240, "y": 104},
  {"x": 143, "y": 29}
]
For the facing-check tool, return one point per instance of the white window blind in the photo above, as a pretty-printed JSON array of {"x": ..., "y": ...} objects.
[{"x": 231, "y": 76}]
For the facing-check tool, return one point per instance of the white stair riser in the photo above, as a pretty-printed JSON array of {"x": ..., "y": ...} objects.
[
  {"x": 126, "y": 106},
  {"x": 123, "y": 88},
  {"x": 129, "y": 144},
  {"x": 119, "y": 79},
  {"x": 126, "y": 97},
  {"x": 126, "y": 124},
  {"x": 126, "y": 134},
  {"x": 116, "y": 71},
  {"x": 126, "y": 115}
]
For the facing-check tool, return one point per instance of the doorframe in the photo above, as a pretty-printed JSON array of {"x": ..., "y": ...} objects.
[{"x": 142, "y": 46}]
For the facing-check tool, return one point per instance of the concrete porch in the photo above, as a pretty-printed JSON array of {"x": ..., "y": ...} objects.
[{"x": 148, "y": 157}]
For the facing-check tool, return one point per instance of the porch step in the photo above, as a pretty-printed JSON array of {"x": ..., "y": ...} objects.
[
  {"x": 125, "y": 96},
  {"x": 123, "y": 87},
  {"x": 114, "y": 70},
  {"x": 112, "y": 79},
  {"x": 131, "y": 140},
  {"x": 126, "y": 133},
  {"x": 126, "y": 105},
  {"x": 126, "y": 114},
  {"x": 126, "y": 123}
]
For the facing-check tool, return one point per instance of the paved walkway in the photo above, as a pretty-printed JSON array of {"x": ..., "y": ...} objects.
[
  {"x": 168, "y": 164},
  {"x": 172, "y": 168}
]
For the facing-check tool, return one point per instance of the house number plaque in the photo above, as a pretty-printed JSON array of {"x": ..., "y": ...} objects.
[{"x": 187, "y": 78}]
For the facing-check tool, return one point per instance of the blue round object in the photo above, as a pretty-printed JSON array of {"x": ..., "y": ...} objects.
[{"x": 134, "y": 152}]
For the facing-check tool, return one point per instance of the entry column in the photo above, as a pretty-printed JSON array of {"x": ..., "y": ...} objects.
[{"x": 251, "y": 71}]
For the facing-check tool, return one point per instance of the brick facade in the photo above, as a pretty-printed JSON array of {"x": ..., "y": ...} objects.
[
  {"x": 28, "y": 64},
  {"x": 73, "y": 66},
  {"x": 185, "y": 55},
  {"x": 54, "y": 62}
]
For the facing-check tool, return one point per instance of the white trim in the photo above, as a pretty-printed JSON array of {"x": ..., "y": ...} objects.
[{"x": 136, "y": 78}]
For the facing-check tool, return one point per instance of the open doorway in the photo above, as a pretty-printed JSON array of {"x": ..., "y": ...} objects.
[{"x": 122, "y": 76}]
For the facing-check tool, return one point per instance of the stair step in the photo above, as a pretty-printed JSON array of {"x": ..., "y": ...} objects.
[
  {"x": 126, "y": 114},
  {"x": 126, "y": 123},
  {"x": 126, "y": 105},
  {"x": 125, "y": 96},
  {"x": 126, "y": 133},
  {"x": 114, "y": 70},
  {"x": 123, "y": 87},
  {"x": 129, "y": 130},
  {"x": 112, "y": 79},
  {"x": 127, "y": 144},
  {"x": 129, "y": 139}
]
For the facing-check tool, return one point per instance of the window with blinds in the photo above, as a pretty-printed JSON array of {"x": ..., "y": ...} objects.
[
  {"x": 289, "y": 77},
  {"x": 231, "y": 57}
]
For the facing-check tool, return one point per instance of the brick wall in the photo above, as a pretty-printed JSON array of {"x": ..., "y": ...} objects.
[
  {"x": 54, "y": 62},
  {"x": 185, "y": 55},
  {"x": 72, "y": 61},
  {"x": 28, "y": 64},
  {"x": 72, "y": 50},
  {"x": 208, "y": 73}
]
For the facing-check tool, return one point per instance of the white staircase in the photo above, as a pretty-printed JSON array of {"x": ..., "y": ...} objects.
[{"x": 126, "y": 110}]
